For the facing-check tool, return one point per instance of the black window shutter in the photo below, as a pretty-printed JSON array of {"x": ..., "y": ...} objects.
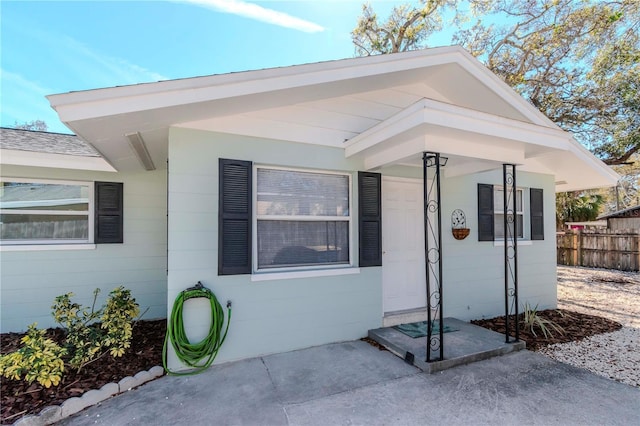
[
  {"x": 234, "y": 217},
  {"x": 537, "y": 214},
  {"x": 108, "y": 223},
  {"x": 370, "y": 219},
  {"x": 485, "y": 212}
]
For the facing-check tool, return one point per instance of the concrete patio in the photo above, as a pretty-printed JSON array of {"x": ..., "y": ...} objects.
[
  {"x": 469, "y": 343},
  {"x": 358, "y": 384}
]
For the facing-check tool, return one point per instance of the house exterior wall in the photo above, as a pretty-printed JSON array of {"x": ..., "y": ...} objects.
[
  {"x": 291, "y": 313},
  {"x": 30, "y": 280},
  {"x": 474, "y": 270},
  {"x": 268, "y": 316}
]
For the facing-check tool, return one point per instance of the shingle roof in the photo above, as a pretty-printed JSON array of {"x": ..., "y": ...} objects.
[{"x": 45, "y": 142}]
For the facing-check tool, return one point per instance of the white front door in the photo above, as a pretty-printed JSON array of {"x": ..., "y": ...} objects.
[{"x": 403, "y": 268}]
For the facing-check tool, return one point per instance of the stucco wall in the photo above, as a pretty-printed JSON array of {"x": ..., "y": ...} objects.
[
  {"x": 30, "y": 280},
  {"x": 286, "y": 314}
]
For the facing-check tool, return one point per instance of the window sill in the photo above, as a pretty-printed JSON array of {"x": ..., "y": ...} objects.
[
  {"x": 272, "y": 276},
  {"x": 44, "y": 247},
  {"x": 520, "y": 243}
]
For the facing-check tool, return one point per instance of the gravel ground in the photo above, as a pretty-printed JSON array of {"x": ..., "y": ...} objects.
[{"x": 610, "y": 294}]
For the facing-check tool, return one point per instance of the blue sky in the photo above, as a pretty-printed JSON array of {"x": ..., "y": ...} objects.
[{"x": 55, "y": 47}]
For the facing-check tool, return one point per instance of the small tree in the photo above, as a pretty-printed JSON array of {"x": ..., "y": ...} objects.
[{"x": 38, "y": 125}]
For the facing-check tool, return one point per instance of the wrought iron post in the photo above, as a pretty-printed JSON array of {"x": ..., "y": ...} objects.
[
  {"x": 433, "y": 252},
  {"x": 510, "y": 209}
]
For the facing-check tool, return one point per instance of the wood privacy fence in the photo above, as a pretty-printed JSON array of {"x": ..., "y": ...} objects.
[{"x": 600, "y": 249}]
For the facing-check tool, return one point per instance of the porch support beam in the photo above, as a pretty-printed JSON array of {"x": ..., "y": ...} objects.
[
  {"x": 431, "y": 165},
  {"x": 511, "y": 232}
]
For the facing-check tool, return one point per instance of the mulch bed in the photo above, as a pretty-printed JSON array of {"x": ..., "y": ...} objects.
[
  {"x": 19, "y": 399},
  {"x": 576, "y": 327}
]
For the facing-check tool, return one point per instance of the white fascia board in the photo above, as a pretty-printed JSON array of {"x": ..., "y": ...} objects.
[
  {"x": 126, "y": 99},
  {"x": 398, "y": 152},
  {"x": 56, "y": 161},
  {"x": 430, "y": 112},
  {"x": 594, "y": 162},
  {"x": 491, "y": 80}
]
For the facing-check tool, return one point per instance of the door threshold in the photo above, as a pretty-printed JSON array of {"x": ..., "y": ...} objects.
[{"x": 405, "y": 316}]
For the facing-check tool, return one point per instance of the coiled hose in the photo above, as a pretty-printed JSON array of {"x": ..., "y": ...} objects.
[{"x": 192, "y": 354}]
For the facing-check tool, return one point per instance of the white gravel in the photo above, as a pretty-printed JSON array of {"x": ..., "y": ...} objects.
[{"x": 610, "y": 294}]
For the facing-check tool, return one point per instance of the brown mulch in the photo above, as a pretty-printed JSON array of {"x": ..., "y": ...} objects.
[
  {"x": 19, "y": 398},
  {"x": 576, "y": 327}
]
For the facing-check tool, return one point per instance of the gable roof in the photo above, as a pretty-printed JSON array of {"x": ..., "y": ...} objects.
[
  {"x": 335, "y": 103},
  {"x": 48, "y": 149}
]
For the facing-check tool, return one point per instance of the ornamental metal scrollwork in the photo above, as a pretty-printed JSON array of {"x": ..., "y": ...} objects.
[
  {"x": 433, "y": 253},
  {"x": 511, "y": 232}
]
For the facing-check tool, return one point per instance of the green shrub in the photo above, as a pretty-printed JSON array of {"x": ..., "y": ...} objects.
[
  {"x": 39, "y": 359},
  {"x": 532, "y": 320},
  {"x": 85, "y": 340}
]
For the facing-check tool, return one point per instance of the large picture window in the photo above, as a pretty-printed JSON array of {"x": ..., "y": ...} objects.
[
  {"x": 303, "y": 218},
  {"x": 45, "y": 212}
]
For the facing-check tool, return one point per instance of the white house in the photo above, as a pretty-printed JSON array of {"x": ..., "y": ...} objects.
[{"x": 298, "y": 193}]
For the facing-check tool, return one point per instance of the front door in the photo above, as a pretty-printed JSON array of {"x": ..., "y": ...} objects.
[{"x": 403, "y": 268}]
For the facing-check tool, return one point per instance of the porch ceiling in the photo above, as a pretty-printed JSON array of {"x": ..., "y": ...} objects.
[{"x": 475, "y": 141}]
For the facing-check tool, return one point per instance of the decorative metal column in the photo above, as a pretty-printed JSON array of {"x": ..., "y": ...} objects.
[
  {"x": 433, "y": 252},
  {"x": 510, "y": 206}
]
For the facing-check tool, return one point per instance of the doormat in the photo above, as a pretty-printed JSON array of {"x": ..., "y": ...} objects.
[{"x": 419, "y": 329}]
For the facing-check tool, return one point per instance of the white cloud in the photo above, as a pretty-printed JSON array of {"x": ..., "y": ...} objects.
[
  {"x": 111, "y": 69},
  {"x": 23, "y": 100},
  {"x": 259, "y": 13}
]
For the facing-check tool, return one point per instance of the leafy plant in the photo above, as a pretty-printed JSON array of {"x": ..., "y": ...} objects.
[
  {"x": 39, "y": 359},
  {"x": 85, "y": 340},
  {"x": 532, "y": 320}
]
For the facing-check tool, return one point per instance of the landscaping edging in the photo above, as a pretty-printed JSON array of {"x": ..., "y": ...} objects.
[{"x": 55, "y": 413}]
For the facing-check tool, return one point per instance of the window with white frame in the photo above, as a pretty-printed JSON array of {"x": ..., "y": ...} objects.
[
  {"x": 303, "y": 218},
  {"x": 33, "y": 212},
  {"x": 498, "y": 217}
]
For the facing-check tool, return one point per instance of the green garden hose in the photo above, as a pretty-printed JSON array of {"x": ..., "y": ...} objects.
[{"x": 193, "y": 354}]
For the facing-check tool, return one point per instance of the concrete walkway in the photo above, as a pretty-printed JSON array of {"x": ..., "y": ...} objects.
[{"x": 355, "y": 383}]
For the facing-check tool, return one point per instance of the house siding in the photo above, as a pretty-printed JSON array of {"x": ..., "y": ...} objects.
[
  {"x": 268, "y": 316},
  {"x": 287, "y": 314},
  {"x": 474, "y": 270},
  {"x": 30, "y": 280}
]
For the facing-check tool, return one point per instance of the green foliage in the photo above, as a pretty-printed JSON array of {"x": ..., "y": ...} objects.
[
  {"x": 39, "y": 359},
  {"x": 577, "y": 207},
  {"x": 531, "y": 320},
  {"x": 117, "y": 321},
  {"x": 407, "y": 27},
  {"x": 85, "y": 340}
]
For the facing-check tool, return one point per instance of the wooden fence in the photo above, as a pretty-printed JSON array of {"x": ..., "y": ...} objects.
[{"x": 600, "y": 249}]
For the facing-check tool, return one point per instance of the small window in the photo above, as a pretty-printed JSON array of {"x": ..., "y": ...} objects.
[
  {"x": 45, "y": 212},
  {"x": 303, "y": 218},
  {"x": 498, "y": 217}
]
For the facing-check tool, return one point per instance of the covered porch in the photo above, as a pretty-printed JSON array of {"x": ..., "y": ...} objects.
[{"x": 448, "y": 141}]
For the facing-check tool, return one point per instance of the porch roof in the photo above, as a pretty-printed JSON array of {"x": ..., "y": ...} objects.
[{"x": 476, "y": 141}]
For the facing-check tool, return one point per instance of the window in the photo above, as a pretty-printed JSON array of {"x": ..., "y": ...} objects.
[
  {"x": 302, "y": 218},
  {"x": 498, "y": 216},
  {"x": 491, "y": 212},
  {"x": 33, "y": 212}
]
